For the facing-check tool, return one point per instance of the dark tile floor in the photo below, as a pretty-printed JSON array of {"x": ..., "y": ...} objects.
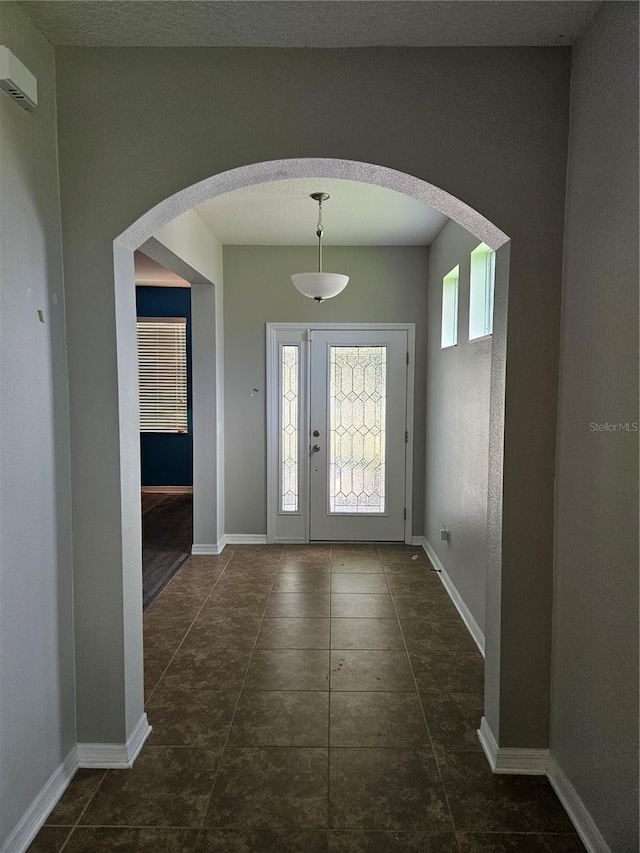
[{"x": 305, "y": 700}]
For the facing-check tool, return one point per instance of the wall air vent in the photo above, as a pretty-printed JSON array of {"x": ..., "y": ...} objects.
[{"x": 17, "y": 81}]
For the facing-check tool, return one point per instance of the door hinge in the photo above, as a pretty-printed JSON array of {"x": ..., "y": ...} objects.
[
  {"x": 407, "y": 358},
  {"x": 406, "y": 436},
  {"x": 405, "y": 513}
]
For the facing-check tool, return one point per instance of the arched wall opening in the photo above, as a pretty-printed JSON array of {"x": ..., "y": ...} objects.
[{"x": 208, "y": 429}]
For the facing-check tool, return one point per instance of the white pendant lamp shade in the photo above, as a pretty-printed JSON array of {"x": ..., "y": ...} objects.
[{"x": 320, "y": 285}]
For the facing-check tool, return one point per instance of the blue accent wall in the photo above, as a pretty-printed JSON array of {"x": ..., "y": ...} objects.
[{"x": 167, "y": 458}]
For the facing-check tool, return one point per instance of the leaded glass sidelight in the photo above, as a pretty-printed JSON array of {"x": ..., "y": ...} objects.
[
  {"x": 357, "y": 427},
  {"x": 289, "y": 436}
]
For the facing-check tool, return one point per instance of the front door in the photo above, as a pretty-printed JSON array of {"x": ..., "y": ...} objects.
[
  {"x": 357, "y": 444},
  {"x": 342, "y": 434}
]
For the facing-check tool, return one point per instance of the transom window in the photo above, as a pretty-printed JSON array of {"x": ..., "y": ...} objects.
[
  {"x": 481, "y": 292},
  {"x": 449, "y": 336}
]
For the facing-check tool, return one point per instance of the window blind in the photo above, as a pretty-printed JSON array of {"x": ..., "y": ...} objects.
[{"x": 162, "y": 373}]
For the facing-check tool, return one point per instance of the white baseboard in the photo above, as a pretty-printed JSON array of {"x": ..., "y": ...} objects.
[
  {"x": 578, "y": 814},
  {"x": 522, "y": 762},
  {"x": 168, "y": 490},
  {"x": 245, "y": 539},
  {"x": 541, "y": 762},
  {"x": 509, "y": 761},
  {"x": 418, "y": 540},
  {"x": 289, "y": 541},
  {"x": 454, "y": 595},
  {"x": 115, "y": 756},
  {"x": 228, "y": 539},
  {"x": 42, "y": 806},
  {"x": 205, "y": 550},
  {"x": 100, "y": 755}
]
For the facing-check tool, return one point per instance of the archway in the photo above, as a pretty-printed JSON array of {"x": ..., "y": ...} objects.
[{"x": 143, "y": 230}]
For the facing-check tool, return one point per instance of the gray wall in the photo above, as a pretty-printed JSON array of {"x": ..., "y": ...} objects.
[
  {"x": 595, "y": 657},
  {"x": 387, "y": 285},
  {"x": 37, "y": 722},
  {"x": 486, "y": 125},
  {"x": 457, "y": 454}
]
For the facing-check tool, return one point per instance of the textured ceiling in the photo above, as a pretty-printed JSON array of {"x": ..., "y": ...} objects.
[
  {"x": 357, "y": 214},
  {"x": 308, "y": 23}
]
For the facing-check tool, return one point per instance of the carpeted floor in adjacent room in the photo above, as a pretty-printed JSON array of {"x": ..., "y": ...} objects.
[{"x": 167, "y": 524}]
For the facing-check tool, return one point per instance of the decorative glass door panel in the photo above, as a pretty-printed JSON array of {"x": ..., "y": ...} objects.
[
  {"x": 357, "y": 434},
  {"x": 289, "y": 427},
  {"x": 358, "y": 390}
]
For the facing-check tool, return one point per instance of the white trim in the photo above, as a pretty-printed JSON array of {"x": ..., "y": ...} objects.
[
  {"x": 216, "y": 548},
  {"x": 32, "y": 820},
  {"x": 168, "y": 490},
  {"x": 488, "y": 742},
  {"x": 409, "y": 427},
  {"x": 286, "y": 526},
  {"x": 213, "y": 549},
  {"x": 541, "y": 762},
  {"x": 115, "y": 756},
  {"x": 509, "y": 761},
  {"x": 245, "y": 539},
  {"x": 282, "y": 540},
  {"x": 454, "y": 595},
  {"x": 272, "y": 395},
  {"x": 579, "y": 816}
]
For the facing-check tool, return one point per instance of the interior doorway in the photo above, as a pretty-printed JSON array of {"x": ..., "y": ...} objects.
[
  {"x": 142, "y": 230},
  {"x": 164, "y": 355}
]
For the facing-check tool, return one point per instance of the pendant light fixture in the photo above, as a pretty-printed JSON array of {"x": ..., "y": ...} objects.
[{"x": 320, "y": 285}]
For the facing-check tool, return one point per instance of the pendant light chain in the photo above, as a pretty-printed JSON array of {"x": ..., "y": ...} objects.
[{"x": 319, "y": 232}]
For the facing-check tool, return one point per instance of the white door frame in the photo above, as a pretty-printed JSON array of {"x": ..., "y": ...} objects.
[{"x": 300, "y": 332}]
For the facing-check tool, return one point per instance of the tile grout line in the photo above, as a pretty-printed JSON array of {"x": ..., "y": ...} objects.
[
  {"x": 192, "y": 623},
  {"x": 76, "y": 823},
  {"x": 329, "y": 825},
  {"x": 104, "y": 775},
  {"x": 72, "y": 829},
  {"x": 235, "y": 710},
  {"x": 234, "y": 827},
  {"x": 424, "y": 716},
  {"x": 80, "y": 816}
]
